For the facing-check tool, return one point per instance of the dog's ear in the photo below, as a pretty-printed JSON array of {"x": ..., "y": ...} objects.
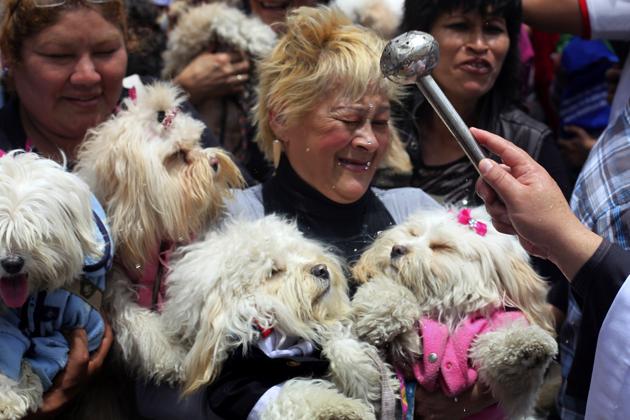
[
  {"x": 225, "y": 324},
  {"x": 209, "y": 350},
  {"x": 367, "y": 267},
  {"x": 524, "y": 289}
]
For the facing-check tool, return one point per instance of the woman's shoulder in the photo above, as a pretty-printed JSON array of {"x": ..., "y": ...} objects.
[
  {"x": 523, "y": 130},
  {"x": 246, "y": 204},
  {"x": 519, "y": 118},
  {"x": 401, "y": 202}
]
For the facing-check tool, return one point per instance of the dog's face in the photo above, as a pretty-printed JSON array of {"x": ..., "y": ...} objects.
[
  {"x": 146, "y": 165},
  {"x": 452, "y": 268},
  {"x": 45, "y": 226},
  {"x": 247, "y": 276}
]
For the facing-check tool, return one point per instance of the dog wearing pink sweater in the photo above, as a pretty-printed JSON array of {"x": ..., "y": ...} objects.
[{"x": 450, "y": 302}]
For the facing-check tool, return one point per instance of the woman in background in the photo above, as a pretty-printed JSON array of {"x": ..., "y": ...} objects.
[{"x": 478, "y": 70}]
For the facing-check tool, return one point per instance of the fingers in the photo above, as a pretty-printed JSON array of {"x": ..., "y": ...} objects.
[
  {"x": 78, "y": 358},
  {"x": 500, "y": 180},
  {"x": 577, "y": 131},
  {"x": 98, "y": 358},
  {"x": 507, "y": 151}
]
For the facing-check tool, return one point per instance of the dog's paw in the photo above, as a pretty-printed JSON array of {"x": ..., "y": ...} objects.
[
  {"x": 382, "y": 310},
  {"x": 304, "y": 399},
  {"x": 512, "y": 362},
  {"x": 19, "y": 399}
]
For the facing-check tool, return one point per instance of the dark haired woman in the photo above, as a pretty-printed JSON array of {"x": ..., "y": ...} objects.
[{"x": 479, "y": 72}]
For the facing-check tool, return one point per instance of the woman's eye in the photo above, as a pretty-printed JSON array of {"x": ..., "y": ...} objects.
[
  {"x": 58, "y": 56},
  {"x": 380, "y": 123},
  {"x": 105, "y": 52},
  {"x": 458, "y": 26},
  {"x": 494, "y": 29}
]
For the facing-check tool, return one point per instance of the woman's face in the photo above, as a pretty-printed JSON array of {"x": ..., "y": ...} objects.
[
  {"x": 70, "y": 76},
  {"x": 273, "y": 11},
  {"x": 472, "y": 50},
  {"x": 337, "y": 147}
]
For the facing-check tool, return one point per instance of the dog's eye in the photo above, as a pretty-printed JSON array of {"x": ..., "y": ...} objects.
[
  {"x": 441, "y": 246},
  {"x": 414, "y": 232},
  {"x": 275, "y": 270}
]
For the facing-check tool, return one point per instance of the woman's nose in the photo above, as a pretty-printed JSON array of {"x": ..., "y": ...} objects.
[
  {"x": 85, "y": 71},
  {"x": 364, "y": 137},
  {"x": 477, "y": 42}
]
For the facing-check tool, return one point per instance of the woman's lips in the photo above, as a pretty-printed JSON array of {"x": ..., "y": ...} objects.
[
  {"x": 84, "y": 101},
  {"x": 476, "y": 66},
  {"x": 274, "y": 5},
  {"x": 355, "y": 165}
]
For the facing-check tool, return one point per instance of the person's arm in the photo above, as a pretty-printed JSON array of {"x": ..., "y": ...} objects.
[
  {"x": 80, "y": 369},
  {"x": 557, "y": 15},
  {"x": 524, "y": 200},
  {"x": 436, "y": 405}
]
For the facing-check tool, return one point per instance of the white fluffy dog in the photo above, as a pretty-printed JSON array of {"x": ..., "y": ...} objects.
[
  {"x": 261, "y": 284},
  {"x": 451, "y": 300},
  {"x": 54, "y": 251},
  {"x": 159, "y": 188}
]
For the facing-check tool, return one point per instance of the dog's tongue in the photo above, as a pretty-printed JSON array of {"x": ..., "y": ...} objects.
[{"x": 14, "y": 290}]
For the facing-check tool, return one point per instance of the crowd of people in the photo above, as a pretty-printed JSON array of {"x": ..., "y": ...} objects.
[{"x": 322, "y": 138}]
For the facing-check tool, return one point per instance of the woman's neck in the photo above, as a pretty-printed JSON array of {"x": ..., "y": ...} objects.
[
  {"x": 438, "y": 145},
  {"x": 47, "y": 143}
]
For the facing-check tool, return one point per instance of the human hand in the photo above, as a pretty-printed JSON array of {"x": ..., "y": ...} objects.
[
  {"x": 436, "y": 405},
  {"x": 524, "y": 200},
  {"x": 77, "y": 373},
  {"x": 214, "y": 75},
  {"x": 577, "y": 148}
]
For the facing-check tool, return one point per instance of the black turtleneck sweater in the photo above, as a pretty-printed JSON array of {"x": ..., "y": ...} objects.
[{"x": 350, "y": 228}]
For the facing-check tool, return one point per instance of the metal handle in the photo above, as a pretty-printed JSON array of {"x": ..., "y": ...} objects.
[{"x": 451, "y": 119}]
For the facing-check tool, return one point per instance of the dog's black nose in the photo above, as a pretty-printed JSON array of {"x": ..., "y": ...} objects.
[
  {"x": 12, "y": 264},
  {"x": 398, "y": 251},
  {"x": 320, "y": 271}
]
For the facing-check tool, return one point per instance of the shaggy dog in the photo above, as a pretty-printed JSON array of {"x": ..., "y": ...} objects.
[
  {"x": 159, "y": 188},
  {"x": 218, "y": 27},
  {"x": 451, "y": 301},
  {"x": 262, "y": 285},
  {"x": 54, "y": 251}
]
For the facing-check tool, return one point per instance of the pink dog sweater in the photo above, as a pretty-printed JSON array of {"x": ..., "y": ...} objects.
[{"x": 445, "y": 361}]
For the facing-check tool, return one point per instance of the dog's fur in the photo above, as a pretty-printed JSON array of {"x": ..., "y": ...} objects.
[
  {"x": 433, "y": 266},
  {"x": 46, "y": 221},
  {"x": 220, "y": 23},
  {"x": 265, "y": 274},
  {"x": 157, "y": 184}
]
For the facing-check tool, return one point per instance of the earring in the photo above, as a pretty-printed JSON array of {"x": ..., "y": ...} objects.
[{"x": 276, "y": 152}]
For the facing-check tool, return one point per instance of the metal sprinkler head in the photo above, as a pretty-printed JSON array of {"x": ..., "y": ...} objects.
[{"x": 409, "y": 56}]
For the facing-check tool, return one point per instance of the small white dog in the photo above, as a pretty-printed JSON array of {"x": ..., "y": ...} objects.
[
  {"x": 54, "y": 252},
  {"x": 451, "y": 300},
  {"x": 260, "y": 285},
  {"x": 159, "y": 188}
]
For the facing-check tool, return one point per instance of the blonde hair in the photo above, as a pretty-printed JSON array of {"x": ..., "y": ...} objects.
[{"x": 322, "y": 53}]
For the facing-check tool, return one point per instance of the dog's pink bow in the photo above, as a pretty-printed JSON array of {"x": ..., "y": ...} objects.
[{"x": 464, "y": 218}]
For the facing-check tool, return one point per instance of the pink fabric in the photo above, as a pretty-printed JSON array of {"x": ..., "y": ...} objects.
[
  {"x": 150, "y": 274},
  {"x": 445, "y": 363}
]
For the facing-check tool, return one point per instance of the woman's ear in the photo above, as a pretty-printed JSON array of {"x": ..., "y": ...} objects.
[{"x": 278, "y": 125}]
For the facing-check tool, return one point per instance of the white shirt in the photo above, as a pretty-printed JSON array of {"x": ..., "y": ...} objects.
[{"x": 609, "y": 396}]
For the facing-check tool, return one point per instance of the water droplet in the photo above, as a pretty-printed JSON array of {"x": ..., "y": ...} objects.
[
  {"x": 138, "y": 266},
  {"x": 465, "y": 202},
  {"x": 355, "y": 250}
]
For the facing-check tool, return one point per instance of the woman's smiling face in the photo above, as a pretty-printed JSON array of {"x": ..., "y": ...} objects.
[{"x": 337, "y": 147}]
